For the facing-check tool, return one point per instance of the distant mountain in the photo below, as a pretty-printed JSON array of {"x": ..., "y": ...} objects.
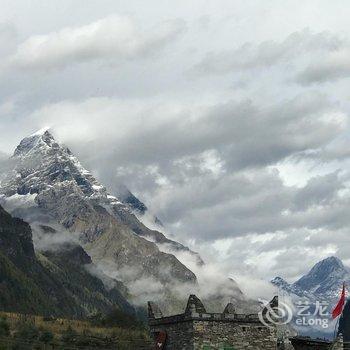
[
  {"x": 46, "y": 184},
  {"x": 139, "y": 208},
  {"x": 324, "y": 280},
  {"x": 51, "y": 283},
  {"x": 133, "y": 202},
  {"x": 322, "y": 284}
]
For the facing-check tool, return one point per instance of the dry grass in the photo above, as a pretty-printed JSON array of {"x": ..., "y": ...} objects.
[{"x": 58, "y": 325}]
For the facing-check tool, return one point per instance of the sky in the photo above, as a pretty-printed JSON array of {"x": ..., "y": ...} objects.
[{"x": 229, "y": 119}]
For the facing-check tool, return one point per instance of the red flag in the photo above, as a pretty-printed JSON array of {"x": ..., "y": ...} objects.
[{"x": 339, "y": 307}]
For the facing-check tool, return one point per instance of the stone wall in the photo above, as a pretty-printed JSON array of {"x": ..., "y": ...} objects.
[
  {"x": 179, "y": 335},
  {"x": 196, "y": 329},
  {"x": 233, "y": 335}
]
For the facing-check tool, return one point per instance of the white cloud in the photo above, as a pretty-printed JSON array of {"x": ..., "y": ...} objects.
[
  {"x": 329, "y": 67},
  {"x": 211, "y": 173},
  {"x": 268, "y": 53},
  {"x": 114, "y": 38},
  {"x": 249, "y": 153},
  {"x": 8, "y": 36}
]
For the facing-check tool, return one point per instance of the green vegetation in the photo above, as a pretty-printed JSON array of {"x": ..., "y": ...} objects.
[
  {"x": 56, "y": 284},
  {"x": 18, "y": 290}
]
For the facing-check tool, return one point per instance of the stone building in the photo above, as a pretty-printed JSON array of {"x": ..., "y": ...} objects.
[
  {"x": 306, "y": 343},
  {"x": 196, "y": 329}
]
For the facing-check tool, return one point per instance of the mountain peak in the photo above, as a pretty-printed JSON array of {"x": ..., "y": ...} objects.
[
  {"x": 328, "y": 265},
  {"x": 43, "y": 162},
  {"x": 327, "y": 274},
  {"x": 279, "y": 281},
  {"x": 41, "y": 138},
  {"x": 42, "y": 132},
  {"x": 322, "y": 282}
]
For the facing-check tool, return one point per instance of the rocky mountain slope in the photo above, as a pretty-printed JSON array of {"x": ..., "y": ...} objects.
[
  {"x": 52, "y": 282},
  {"x": 46, "y": 183},
  {"x": 322, "y": 282}
]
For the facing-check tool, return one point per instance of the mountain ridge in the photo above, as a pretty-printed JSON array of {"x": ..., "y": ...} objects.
[
  {"x": 321, "y": 285},
  {"x": 123, "y": 207},
  {"x": 47, "y": 183},
  {"x": 37, "y": 283},
  {"x": 325, "y": 279}
]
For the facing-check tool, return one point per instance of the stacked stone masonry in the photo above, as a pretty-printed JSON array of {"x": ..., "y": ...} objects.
[{"x": 196, "y": 329}]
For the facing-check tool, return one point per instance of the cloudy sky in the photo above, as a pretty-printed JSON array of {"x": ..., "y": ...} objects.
[{"x": 229, "y": 119}]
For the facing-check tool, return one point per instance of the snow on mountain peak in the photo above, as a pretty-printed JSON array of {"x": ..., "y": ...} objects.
[
  {"x": 322, "y": 282},
  {"x": 42, "y": 162},
  {"x": 41, "y": 132},
  {"x": 331, "y": 262},
  {"x": 279, "y": 281},
  {"x": 323, "y": 270},
  {"x": 58, "y": 189},
  {"x": 42, "y": 138}
]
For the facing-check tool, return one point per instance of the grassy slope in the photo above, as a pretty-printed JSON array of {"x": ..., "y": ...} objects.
[{"x": 19, "y": 292}]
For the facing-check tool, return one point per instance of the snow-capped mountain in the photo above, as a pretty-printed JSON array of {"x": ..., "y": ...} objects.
[
  {"x": 322, "y": 284},
  {"x": 47, "y": 183},
  {"x": 324, "y": 280},
  {"x": 41, "y": 161}
]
